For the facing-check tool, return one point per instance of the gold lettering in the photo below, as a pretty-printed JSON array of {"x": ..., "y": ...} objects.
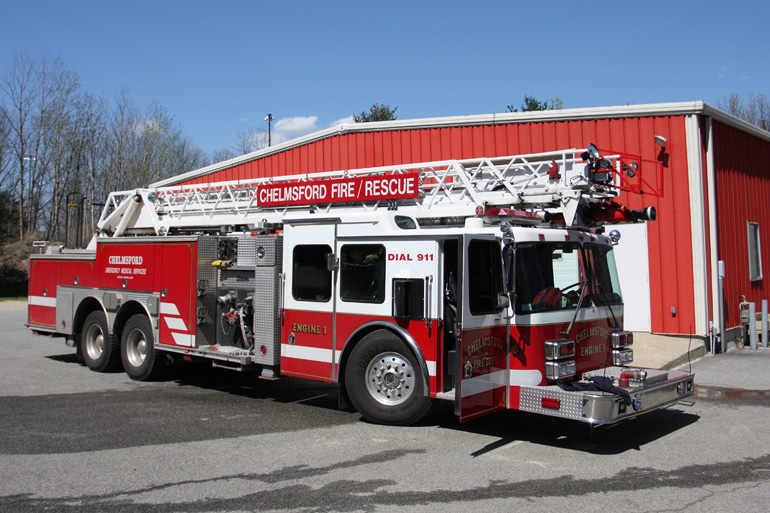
[
  {"x": 311, "y": 329},
  {"x": 592, "y": 350},
  {"x": 483, "y": 343}
]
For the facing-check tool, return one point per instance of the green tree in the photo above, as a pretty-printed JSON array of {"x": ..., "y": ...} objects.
[
  {"x": 377, "y": 112},
  {"x": 532, "y": 104}
]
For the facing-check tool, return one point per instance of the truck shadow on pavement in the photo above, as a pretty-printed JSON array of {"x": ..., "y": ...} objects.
[
  {"x": 506, "y": 427},
  {"x": 629, "y": 435}
]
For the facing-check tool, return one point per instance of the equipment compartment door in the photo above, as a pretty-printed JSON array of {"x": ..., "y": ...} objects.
[
  {"x": 482, "y": 364},
  {"x": 310, "y": 269},
  {"x": 177, "y": 293}
]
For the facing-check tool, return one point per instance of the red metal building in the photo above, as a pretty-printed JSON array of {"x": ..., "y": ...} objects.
[{"x": 715, "y": 181}]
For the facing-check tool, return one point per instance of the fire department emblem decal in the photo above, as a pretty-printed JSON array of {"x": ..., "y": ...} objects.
[{"x": 468, "y": 370}]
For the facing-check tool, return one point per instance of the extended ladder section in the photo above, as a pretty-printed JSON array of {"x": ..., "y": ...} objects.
[{"x": 558, "y": 183}]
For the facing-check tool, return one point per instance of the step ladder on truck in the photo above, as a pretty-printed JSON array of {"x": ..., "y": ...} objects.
[{"x": 487, "y": 282}]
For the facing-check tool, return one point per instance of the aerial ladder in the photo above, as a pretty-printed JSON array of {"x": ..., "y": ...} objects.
[{"x": 572, "y": 188}]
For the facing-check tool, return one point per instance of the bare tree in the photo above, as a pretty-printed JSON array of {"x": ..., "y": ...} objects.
[
  {"x": 755, "y": 108},
  {"x": 22, "y": 91},
  {"x": 60, "y": 145},
  {"x": 120, "y": 143}
]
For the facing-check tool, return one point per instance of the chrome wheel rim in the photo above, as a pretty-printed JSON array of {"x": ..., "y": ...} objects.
[
  {"x": 136, "y": 348},
  {"x": 390, "y": 379},
  {"x": 94, "y": 341}
]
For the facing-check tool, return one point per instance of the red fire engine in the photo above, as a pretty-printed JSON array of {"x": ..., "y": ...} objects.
[{"x": 487, "y": 282}]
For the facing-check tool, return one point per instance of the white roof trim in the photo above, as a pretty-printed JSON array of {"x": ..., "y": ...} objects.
[{"x": 619, "y": 111}]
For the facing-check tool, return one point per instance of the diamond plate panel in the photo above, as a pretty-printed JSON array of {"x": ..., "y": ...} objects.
[
  {"x": 64, "y": 312},
  {"x": 206, "y": 302},
  {"x": 267, "y": 300},
  {"x": 79, "y": 294},
  {"x": 247, "y": 252},
  {"x": 571, "y": 403}
]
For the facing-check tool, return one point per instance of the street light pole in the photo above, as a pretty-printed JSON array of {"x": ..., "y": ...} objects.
[{"x": 269, "y": 118}]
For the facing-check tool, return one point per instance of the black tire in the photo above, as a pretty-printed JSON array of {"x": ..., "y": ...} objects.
[
  {"x": 98, "y": 347},
  {"x": 141, "y": 360},
  {"x": 385, "y": 381}
]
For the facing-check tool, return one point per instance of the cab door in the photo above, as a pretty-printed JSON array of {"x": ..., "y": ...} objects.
[
  {"x": 309, "y": 299},
  {"x": 482, "y": 364}
]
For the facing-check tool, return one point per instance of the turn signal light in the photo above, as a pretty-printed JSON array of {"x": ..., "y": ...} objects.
[
  {"x": 559, "y": 348},
  {"x": 622, "y": 339}
]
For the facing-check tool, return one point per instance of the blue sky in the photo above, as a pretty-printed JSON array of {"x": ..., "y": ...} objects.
[{"x": 222, "y": 66}]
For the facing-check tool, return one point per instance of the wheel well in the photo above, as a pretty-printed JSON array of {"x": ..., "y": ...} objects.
[
  {"x": 127, "y": 311},
  {"x": 371, "y": 328},
  {"x": 88, "y": 305}
]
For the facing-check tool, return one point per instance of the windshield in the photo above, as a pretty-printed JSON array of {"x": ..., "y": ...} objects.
[
  {"x": 605, "y": 286},
  {"x": 549, "y": 276}
]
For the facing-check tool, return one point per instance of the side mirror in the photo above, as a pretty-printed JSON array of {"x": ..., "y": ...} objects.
[
  {"x": 509, "y": 267},
  {"x": 505, "y": 299}
]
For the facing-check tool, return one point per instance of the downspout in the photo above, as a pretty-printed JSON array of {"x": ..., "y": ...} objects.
[{"x": 717, "y": 314}]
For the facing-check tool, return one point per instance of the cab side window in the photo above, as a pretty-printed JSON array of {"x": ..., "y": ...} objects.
[
  {"x": 362, "y": 273},
  {"x": 485, "y": 276},
  {"x": 312, "y": 280}
]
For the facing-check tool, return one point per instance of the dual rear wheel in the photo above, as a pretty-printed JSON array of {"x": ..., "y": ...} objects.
[{"x": 103, "y": 352}]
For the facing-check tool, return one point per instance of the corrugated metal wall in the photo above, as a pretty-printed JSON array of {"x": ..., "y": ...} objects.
[
  {"x": 742, "y": 183},
  {"x": 669, "y": 238}
]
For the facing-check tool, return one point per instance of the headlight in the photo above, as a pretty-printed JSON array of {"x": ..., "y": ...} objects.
[
  {"x": 622, "y": 356},
  {"x": 558, "y": 371}
]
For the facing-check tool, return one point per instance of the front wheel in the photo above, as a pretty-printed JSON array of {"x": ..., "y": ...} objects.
[
  {"x": 141, "y": 360},
  {"x": 385, "y": 382}
]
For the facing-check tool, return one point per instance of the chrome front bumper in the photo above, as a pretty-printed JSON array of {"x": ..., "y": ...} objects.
[{"x": 660, "y": 388}]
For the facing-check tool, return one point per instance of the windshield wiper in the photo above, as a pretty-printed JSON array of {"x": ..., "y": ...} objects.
[
  {"x": 583, "y": 289},
  {"x": 607, "y": 304}
]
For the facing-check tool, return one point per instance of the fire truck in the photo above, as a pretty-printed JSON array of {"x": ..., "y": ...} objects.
[{"x": 488, "y": 282}]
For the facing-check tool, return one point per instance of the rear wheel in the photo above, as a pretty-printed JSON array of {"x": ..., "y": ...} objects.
[
  {"x": 385, "y": 382},
  {"x": 98, "y": 347},
  {"x": 137, "y": 350}
]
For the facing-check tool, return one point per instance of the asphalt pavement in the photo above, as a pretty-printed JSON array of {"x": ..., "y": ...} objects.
[
  {"x": 210, "y": 440},
  {"x": 739, "y": 368}
]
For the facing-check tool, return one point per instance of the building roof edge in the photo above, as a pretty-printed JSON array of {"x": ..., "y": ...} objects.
[{"x": 697, "y": 107}]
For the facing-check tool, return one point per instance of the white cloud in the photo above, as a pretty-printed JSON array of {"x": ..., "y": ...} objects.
[
  {"x": 296, "y": 126},
  {"x": 344, "y": 121},
  {"x": 285, "y": 129},
  {"x": 723, "y": 71}
]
